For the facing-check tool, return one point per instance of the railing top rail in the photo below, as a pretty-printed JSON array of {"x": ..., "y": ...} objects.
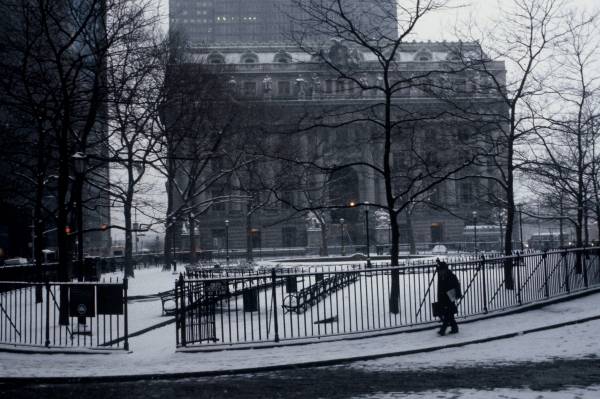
[
  {"x": 120, "y": 283},
  {"x": 360, "y": 268}
]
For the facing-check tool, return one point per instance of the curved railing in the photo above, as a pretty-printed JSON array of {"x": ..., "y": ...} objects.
[{"x": 372, "y": 299}]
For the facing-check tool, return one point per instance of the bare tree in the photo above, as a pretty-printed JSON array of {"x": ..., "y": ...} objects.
[
  {"x": 55, "y": 58},
  {"x": 383, "y": 119}
]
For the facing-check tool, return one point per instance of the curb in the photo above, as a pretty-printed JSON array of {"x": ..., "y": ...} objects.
[{"x": 248, "y": 370}]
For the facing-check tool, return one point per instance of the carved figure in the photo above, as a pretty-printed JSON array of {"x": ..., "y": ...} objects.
[
  {"x": 316, "y": 85},
  {"x": 267, "y": 84},
  {"x": 300, "y": 84},
  {"x": 232, "y": 84},
  {"x": 382, "y": 219},
  {"x": 312, "y": 222}
]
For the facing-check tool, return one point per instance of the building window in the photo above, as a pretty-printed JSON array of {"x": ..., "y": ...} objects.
[
  {"x": 329, "y": 86},
  {"x": 287, "y": 199},
  {"x": 256, "y": 236},
  {"x": 283, "y": 88},
  {"x": 249, "y": 89},
  {"x": 466, "y": 192},
  {"x": 249, "y": 58},
  {"x": 282, "y": 57},
  {"x": 288, "y": 236},
  {"x": 423, "y": 56},
  {"x": 218, "y": 238},
  {"x": 216, "y": 58},
  {"x": 218, "y": 201},
  {"x": 437, "y": 232}
]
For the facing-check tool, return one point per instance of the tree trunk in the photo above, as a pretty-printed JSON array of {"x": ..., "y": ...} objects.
[
  {"x": 249, "y": 243},
  {"x": 63, "y": 236},
  {"x": 169, "y": 220},
  {"x": 128, "y": 272},
  {"x": 395, "y": 274},
  {"x": 192, "y": 233},
  {"x": 412, "y": 245},
  {"x": 510, "y": 209},
  {"x": 324, "y": 250}
]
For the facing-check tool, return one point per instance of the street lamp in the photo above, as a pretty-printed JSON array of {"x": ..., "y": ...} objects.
[
  {"x": 367, "y": 228},
  {"x": 342, "y": 235},
  {"x": 227, "y": 241},
  {"x": 521, "y": 226},
  {"x": 475, "y": 229},
  {"x": 80, "y": 164}
]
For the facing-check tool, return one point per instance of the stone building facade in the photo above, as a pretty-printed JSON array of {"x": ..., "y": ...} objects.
[{"x": 288, "y": 84}]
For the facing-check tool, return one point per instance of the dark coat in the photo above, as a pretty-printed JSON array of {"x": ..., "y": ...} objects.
[{"x": 446, "y": 284}]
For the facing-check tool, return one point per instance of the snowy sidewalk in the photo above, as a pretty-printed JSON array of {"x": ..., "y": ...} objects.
[{"x": 154, "y": 353}]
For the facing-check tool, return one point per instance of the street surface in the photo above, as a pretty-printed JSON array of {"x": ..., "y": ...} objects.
[{"x": 559, "y": 378}]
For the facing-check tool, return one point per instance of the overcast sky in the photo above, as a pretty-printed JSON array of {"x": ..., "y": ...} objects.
[{"x": 440, "y": 25}]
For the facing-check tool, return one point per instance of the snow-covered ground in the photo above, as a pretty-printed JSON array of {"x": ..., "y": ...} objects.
[
  {"x": 592, "y": 392},
  {"x": 153, "y": 353}
]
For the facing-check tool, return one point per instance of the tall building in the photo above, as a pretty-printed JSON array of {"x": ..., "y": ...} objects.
[
  {"x": 32, "y": 113},
  {"x": 258, "y": 21}
]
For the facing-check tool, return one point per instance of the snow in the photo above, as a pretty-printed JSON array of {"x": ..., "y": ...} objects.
[
  {"x": 147, "y": 281},
  {"x": 591, "y": 392},
  {"x": 154, "y": 352}
]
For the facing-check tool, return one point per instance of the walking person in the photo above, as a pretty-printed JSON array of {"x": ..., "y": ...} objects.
[{"x": 448, "y": 291}]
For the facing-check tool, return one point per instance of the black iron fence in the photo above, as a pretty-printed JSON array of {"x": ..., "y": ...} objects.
[
  {"x": 52, "y": 314},
  {"x": 324, "y": 301}
]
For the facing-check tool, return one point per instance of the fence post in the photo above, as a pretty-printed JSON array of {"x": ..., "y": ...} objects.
[
  {"x": 47, "y": 314},
  {"x": 483, "y": 275},
  {"x": 274, "y": 295},
  {"x": 181, "y": 316},
  {"x": 126, "y": 314},
  {"x": 177, "y": 322},
  {"x": 584, "y": 265},
  {"x": 546, "y": 288},
  {"x": 518, "y": 267},
  {"x": 564, "y": 258}
]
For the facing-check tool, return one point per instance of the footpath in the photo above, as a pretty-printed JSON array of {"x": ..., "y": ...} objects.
[{"x": 153, "y": 355}]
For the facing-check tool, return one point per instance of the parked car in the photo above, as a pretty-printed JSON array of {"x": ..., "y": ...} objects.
[{"x": 16, "y": 262}]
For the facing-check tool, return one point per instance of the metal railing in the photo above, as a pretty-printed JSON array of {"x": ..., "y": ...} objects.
[
  {"x": 64, "y": 314},
  {"x": 343, "y": 300}
]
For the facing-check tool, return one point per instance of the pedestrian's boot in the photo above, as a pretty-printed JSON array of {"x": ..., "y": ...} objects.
[
  {"x": 441, "y": 332},
  {"x": 454, "y": 330}
]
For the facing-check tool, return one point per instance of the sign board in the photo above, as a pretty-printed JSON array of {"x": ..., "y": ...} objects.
[
  {"x": 81, "y": 301},
  {"x": 291, "y": 284},
  {"x": 110, "y": 299},
  {"x": 216, "y": 288}
]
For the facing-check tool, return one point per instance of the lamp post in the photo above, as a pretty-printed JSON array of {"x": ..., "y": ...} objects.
[
  {"x": 80, "y": 164},
  {"x": 475, "y": 229},
  {"x": 367, "y": 228},
  {"x": 521, "y": 226},
  {"x": 342, "y": 236},
  {"x": 227, "y": 242}
]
